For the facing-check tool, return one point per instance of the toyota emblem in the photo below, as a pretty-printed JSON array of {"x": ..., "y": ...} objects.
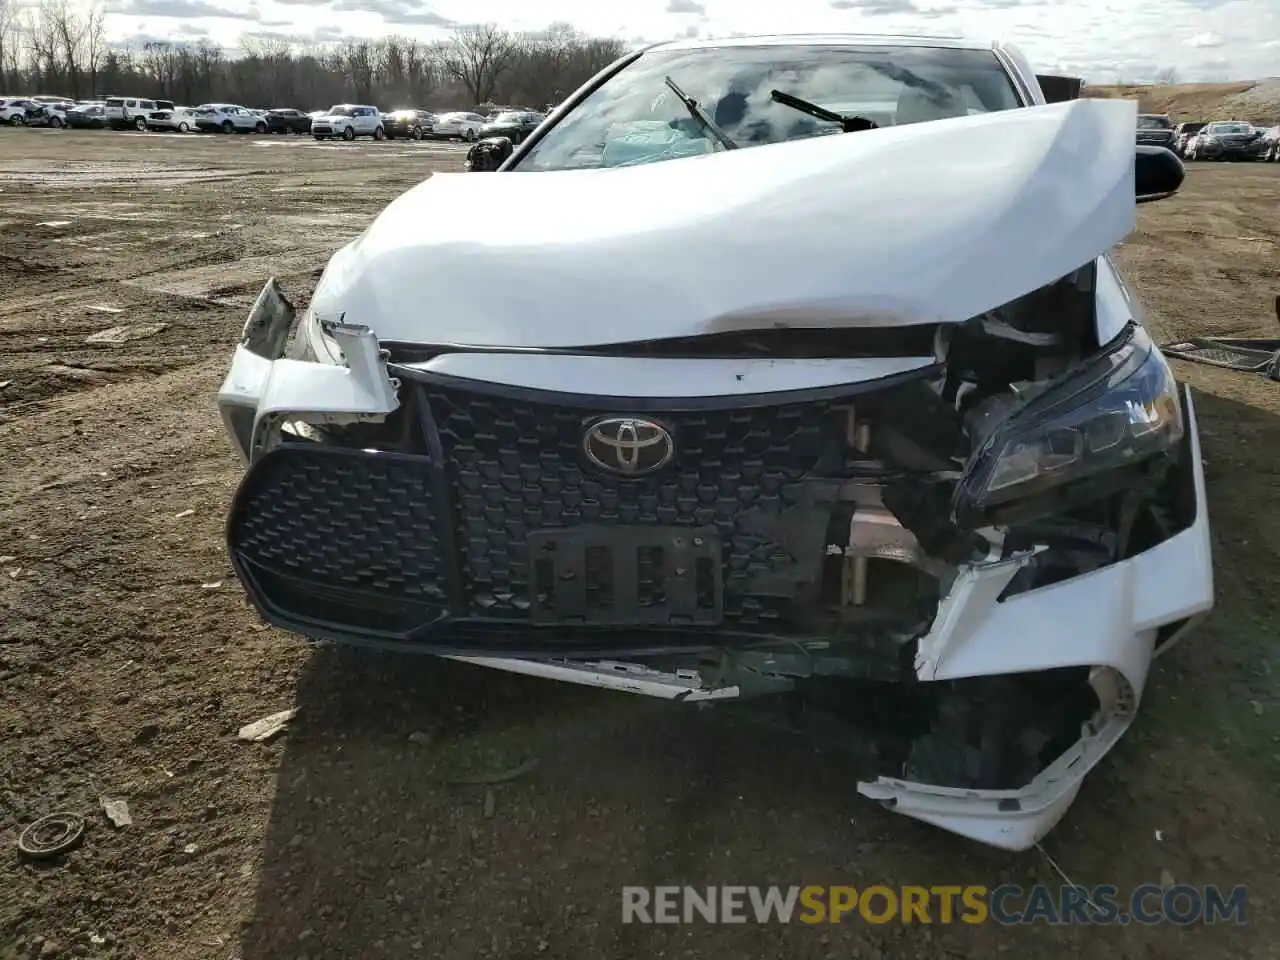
[{"x": 628, "y": 445}]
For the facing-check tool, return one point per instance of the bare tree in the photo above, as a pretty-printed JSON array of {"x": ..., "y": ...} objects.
[
  {"x": 477, "y": 57},
  {"x": 60, "y": 42},
  {"x": 8, "y": 41},
  {"x": 1166, "y": 75}
]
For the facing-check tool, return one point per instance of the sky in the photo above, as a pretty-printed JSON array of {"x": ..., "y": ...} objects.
[{"x": 1105, "y": 41}]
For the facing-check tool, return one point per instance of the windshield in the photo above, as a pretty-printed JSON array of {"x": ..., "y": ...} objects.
[
  {"x": 1230, "y": 128},
  {"x": 636, "y": 118},
  {"x": 341, "y": 111},
  {"x": 1154, "y": 123},
  {"x": 509, "y": 118}
]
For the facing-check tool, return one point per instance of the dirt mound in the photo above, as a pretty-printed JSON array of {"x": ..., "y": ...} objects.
[{"x": 1258, "y": 101}]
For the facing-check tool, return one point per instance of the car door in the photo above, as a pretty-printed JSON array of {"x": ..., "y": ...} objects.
[{"x": 369, "y": 120}]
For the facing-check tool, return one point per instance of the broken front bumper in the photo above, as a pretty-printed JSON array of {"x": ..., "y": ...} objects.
[{"x": 1109, "y": 622}]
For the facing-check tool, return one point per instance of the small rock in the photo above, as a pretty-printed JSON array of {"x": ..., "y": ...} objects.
[
  {"x": 7, "y": 559},
  {"x": 14, "y": 572},
  {"x": 420, "y": 736},
  {"x": 190, "y": 848},
  {"x": 211, "y": 586},
  {"x": 117, "y": 812},
  {"x": 5, "y": 383},
  {"x": 262, "y": 730},
  {"x": 50, "y": 948}
]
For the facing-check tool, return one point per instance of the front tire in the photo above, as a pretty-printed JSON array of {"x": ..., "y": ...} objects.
[
  {"x": 183, "y": 128},
  {"x": 260, "y": 127},
  {"x": 417, "y": 133},
  {"x": 469, "y": 136},
  {"x": 228, "y": 126},
  {"x": 16, "y": 121},
  {"x": 140, "y": 124},
  {"x": 379, "y": 134},
  {"x": 348, "y": 134},
  {"x": 55, "y": 123}
]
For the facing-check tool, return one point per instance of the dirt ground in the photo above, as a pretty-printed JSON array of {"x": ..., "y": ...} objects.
[{"x": 129, "y": 657}]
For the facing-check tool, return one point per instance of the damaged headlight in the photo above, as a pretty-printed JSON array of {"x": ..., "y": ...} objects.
[{"x": 1114, "y": 411}]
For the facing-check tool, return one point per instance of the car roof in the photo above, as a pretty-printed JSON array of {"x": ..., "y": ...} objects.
[{"x": 827, "y": 40}]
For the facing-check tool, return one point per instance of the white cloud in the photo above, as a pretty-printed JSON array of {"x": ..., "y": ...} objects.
[
  {"x": 1101, "y": 40},
  {"x": 1205, "y": 40}
]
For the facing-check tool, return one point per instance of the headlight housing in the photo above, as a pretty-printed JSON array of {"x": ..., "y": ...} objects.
[{"x": 1115, "y": 411}]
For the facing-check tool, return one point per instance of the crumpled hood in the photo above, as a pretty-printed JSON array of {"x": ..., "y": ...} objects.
[{"x": 928, "y": 222}]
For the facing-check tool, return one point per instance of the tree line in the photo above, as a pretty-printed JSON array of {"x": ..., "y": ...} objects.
[{"x": 59, "y": 48}]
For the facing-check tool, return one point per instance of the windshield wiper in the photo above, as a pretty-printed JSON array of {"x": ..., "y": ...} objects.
[
  {"x": 700, "y": 115},
  {"x": 848, "y": 122}
]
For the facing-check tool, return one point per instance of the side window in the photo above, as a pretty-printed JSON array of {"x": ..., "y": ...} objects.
[
  {"x": 146, "y": 105},
  {"x": 131, "y": 103}
]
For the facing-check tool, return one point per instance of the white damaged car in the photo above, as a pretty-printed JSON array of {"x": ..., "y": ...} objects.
[{"x": 818, "y": 397}]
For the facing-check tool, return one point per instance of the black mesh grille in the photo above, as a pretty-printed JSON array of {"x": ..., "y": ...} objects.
[
  {"x": 341, "y": 518},
  {"x": 517, "y": 466}
]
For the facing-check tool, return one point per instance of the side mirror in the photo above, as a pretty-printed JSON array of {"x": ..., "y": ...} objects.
[
  {"x": 488, "y": 154},
  {"x": 1157, "y": 173}
]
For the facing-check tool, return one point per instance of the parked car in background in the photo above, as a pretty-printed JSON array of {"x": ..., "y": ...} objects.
[
  {"x": 180, "y": 119},
  {"x": 87, "y": 116},
  {"x": 348, "y": 121},
  {"x": 1223, "y": 140},
  {"x": 48, "y": 113},
  {"x": 1183, "y": 133},
  {"x": 514, "y": 125},
  {"x": 227, "y": 118},
  {"x": 1269, "y": 145},
  {"x": 287, "y": 120},
  {"x": 1156, "y": 130},
  {"x": 13, "y": 110},
  {"x": 463, "y": 125},
  {"x": 414, "y": 124},
  {"x": 124, "y": 112}
]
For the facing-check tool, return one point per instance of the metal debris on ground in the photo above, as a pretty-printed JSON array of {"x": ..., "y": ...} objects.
[
  {"x": 184, "y": 513},
  {"x": 102, "y": 308},
  {"x": 117, "y": 812},
  {"x": 211, "y": 586},
  {"x": 51, "y": 835},
  {"x": 1248, "y": 355},
  {"x": 262, "y": 730}
]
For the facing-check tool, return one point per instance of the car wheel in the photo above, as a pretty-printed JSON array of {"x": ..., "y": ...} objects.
[
  {"x": 182, "y": 127},
  {"x": 55, "y": 123},
  {"x": 379, "y": 134},
  {"x": 260, "y": 127},
  {"x": 348, "y": 134},
  {"x": 228, "y": 126},
  {"x": 16, "y": 121},
  {"x": 470, "y": 136},
  {"x": 417, "y": 133},
  {"x": 140, "y": 124}
]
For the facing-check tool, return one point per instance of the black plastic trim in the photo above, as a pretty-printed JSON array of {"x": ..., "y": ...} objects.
[
  {"x": 442, "y": 490},
  {"x": 604, "y": 404}
]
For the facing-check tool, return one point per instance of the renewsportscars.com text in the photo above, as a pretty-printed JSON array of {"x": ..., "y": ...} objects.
[{"x": 1008, "y": 904}]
